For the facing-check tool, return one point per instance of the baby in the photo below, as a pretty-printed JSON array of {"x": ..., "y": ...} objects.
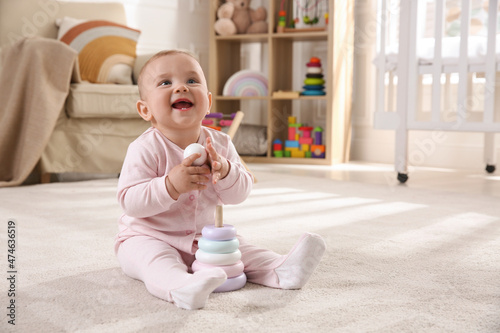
[{"x": 167, "y": 201}]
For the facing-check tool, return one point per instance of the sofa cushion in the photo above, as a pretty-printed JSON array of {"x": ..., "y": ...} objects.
[
  {"x": 88, "y": 100},
  {"x": 106, "y": 50}
]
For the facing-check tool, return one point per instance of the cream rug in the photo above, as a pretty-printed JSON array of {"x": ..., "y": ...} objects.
[{"x": 398, "y": 260}]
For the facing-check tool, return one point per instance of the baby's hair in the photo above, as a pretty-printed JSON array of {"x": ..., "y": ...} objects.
[{"x": 156, "y": 56}]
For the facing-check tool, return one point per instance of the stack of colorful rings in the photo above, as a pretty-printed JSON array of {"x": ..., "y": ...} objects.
[
  {"x": 314, "y": 84},
  {"x": 281, "y": 21},
  {"x": 219, "y": 247}
]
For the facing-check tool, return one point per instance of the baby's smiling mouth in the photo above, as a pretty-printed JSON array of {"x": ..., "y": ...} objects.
[{"x": 182, "y": 104}]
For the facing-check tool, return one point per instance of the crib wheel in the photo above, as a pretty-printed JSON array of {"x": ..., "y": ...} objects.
[
  {"x": 402, "y": 177},
  {"x": 490, "y": 168}
]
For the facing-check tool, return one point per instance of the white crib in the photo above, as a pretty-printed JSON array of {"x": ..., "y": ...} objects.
[{"x": 459, "y": 72}]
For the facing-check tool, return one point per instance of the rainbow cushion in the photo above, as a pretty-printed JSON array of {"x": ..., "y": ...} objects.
[{"x": 106, "y": 50}]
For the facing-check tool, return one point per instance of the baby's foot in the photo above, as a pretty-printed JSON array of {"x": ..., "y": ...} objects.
[
  {"x": 301, "y": 261},
  {"x": 198, "y": 287}
]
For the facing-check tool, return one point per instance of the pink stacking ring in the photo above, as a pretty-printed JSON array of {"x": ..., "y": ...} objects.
[
  {"x": 218, "y": 258},
  {"x": 232, "y": 284},
  {"x": 211, "y": 232},
  {"x": 231, "y": 270}
]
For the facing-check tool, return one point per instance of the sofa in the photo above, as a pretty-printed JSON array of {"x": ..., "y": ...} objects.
[{"x": 98, "y": 120}]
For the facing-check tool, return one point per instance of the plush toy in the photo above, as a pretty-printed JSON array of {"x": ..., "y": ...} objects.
[{"x": 236, "y": 17}]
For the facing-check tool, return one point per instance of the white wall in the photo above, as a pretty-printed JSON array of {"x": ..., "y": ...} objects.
[
  {"x": 451, "y": 150},
  {"x": 168, "y": 24}
]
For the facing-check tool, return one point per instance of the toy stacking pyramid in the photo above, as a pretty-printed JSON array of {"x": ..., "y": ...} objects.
[
  {"x": 219, "y": 247},
  {"x": 314, "y": 84}
]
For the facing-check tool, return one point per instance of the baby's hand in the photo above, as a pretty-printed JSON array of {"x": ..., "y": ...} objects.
[
  {"x": 185, "y": 177},
  {"x": 220, "y": 165}
]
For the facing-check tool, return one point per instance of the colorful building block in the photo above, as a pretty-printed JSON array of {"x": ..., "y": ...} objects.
[
  {"x": 306, "y": 141},
  {"x": 291, "y": 133},
  {"x": 318, "y": 148},
  {"x": 306, "y": 131},
  {"x": 298, "y": 154},
  {"x": 292, "y": 144},
  {"x": 302, "y": 141},
  {"x": 318, "y": 135},
  {"x": 318, "y": 151},
  {"x": 278, "y": 148},
  {"x": 278, "y": 153}
]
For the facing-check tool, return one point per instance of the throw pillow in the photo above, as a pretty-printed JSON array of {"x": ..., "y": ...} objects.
[{"x": 106, "y": 50}]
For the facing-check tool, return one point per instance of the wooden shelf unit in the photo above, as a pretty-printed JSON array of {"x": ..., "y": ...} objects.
[{"x": 225, "y": 60}]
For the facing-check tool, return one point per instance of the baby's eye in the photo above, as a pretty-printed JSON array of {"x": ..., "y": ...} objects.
[
  {"x": 165, "y": 83},
  {"x": 191, "y": 81}
]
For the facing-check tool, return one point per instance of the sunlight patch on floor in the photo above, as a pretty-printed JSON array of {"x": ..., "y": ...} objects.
[{"x": 446, "y": 230}]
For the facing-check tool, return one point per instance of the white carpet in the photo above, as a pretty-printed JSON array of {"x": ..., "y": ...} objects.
[{"x": 398, "y": 260}]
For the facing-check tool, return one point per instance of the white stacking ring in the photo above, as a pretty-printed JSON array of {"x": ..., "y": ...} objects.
[
  {"x": 314, "y": 70},
  {"x": 218, "y": 258},
  {"x": 226, "y": 232},
  {"x": 231, "y": 270},
  {"x": 232, "y": 284},
  {"x": 212, "y": 246}
]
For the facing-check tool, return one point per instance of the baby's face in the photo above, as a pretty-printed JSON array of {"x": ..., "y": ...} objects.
[{"x": 176, "y": 93}]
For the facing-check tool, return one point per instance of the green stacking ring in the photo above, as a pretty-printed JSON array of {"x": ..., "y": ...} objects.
[{"x": 313, "y": 82}]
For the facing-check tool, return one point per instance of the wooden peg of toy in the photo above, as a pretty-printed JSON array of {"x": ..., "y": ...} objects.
[{"x": 219, "y": 223}]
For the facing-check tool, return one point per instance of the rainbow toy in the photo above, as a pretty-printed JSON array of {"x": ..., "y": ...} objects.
[
  {"x": 314, "y": 84},
  {"x": 219, "y": 247},
  {"x": 302, "y": 142},
  {"x": 246, "y": 83}
]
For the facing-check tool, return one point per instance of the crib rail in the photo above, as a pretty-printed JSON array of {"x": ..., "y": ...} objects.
[{"x": 399, "y": 97}]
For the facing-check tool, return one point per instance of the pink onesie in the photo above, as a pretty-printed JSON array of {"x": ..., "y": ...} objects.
[{"x": 158, "y": 235}]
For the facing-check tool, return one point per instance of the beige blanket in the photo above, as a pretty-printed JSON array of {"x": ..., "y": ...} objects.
[{"x": 35, "y": 75}]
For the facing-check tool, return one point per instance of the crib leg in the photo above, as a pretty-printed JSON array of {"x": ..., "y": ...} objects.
[
  {"x": 401, "y": 154},
  {"x": 489, "y": 152}
]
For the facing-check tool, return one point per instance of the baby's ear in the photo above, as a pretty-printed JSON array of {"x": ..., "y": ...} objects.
[
  {"x": 142, "y": 108},
  {"x": 209, "y": 101}
]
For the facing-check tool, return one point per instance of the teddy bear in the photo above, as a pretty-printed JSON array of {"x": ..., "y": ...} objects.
[{"x": 236, "y": 17}]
